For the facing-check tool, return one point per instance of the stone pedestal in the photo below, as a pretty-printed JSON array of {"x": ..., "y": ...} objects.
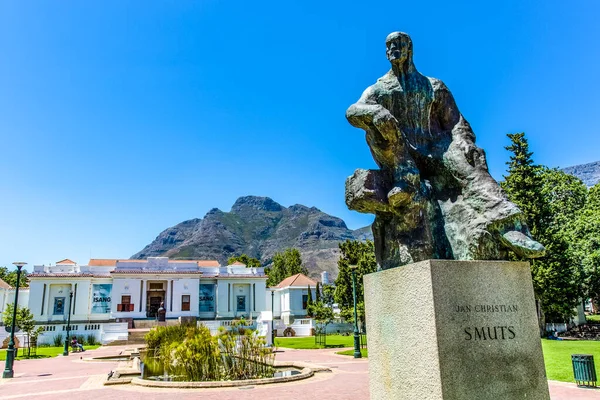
[{"x": 460, "y": 330}]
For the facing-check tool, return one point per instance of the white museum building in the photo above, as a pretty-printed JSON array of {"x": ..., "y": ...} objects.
[{"x": 106, "y": 297}]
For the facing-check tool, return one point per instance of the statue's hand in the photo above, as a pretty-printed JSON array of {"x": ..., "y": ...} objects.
[{"x": 367, "y": 116}]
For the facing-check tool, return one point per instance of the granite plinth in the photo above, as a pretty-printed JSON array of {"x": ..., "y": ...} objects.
[{"x": 441, "y": 329}]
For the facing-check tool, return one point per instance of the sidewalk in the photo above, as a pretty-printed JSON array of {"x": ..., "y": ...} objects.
[{"x": 71, "y": 378}]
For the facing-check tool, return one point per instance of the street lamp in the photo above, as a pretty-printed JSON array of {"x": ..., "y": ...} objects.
[
  {"x": 272, "y": 318},
  {"x": 356, "y": 337},
  {"x": 66, "y": 349},
  {"x": 10, "y": 351}
]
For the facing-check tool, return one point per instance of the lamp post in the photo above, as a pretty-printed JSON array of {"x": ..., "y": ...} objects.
[
  {"x": 356, "y": 337},
  {"x": 272, "y": 318},
  {"x": 11, "y": 351},
  {"x": 66, "y": 349}
]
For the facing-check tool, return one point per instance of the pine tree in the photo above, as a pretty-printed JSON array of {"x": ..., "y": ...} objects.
[
  {"x": 309, "y": 302},
  {"x": 357, "y": 253},
  {"x": 318, "y": 293},
  {"x": 523, "y": 184},
  {"x": 550, "y": 200}
]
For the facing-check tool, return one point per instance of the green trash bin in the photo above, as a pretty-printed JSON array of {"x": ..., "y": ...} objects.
[{"x": 584, "y": 369}]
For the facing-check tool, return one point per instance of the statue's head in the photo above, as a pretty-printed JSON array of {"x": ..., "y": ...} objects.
[{"x": 398, "y": 48}]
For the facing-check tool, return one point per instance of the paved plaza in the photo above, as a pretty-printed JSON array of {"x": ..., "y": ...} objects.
[{"x": 72, "y": 378}]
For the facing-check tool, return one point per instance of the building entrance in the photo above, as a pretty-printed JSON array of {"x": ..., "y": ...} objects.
[{"x": 153, "y": 303}]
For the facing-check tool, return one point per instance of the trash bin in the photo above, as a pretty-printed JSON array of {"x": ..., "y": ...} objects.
[{"x": 584, "y": 369}]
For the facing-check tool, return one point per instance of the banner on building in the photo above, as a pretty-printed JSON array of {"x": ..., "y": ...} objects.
[
  {"x": 101, "y": 299},
  {"x": 207, "y": 298}
]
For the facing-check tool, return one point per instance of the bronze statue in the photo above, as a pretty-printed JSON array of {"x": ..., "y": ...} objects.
[{"x": 433, "y": 196}]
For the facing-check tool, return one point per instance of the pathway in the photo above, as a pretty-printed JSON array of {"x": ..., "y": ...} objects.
[{"x": 71, "y": 378}]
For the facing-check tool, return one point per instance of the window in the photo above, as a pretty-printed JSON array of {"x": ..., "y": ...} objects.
[
  {"x": 59, "y": 306},
  {"x": 304, "y": 301},
  {"x": 185, "y": 302},
  {"x": 156, "y": 286},
  {"x": 125, "y": 305},
  {"x": 241, "y": 303}
]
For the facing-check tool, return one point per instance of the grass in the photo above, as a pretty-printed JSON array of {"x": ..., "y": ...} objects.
[
  {"x": 363, "y": 352},
  {"x": 309, "y": 342},
  {"x": 557, "y": 356},
  {"x": 594, "y": 318},
  {"x": 557, "y": 353},
  {"x": 44, "y": 352}
]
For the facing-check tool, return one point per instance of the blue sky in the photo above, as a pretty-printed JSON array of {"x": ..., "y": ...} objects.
[{"x": 119, "y": 119}]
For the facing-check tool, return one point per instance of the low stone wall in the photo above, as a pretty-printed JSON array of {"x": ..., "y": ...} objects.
[{"x": 305, "y": 373}]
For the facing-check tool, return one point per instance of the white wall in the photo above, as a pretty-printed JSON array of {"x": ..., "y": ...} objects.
[
  {"x": 128, "y": 287},
  {"x": 181, "y": 287}
]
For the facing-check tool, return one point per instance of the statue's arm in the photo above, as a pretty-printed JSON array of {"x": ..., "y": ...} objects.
[{"x": 367, "y": 114}]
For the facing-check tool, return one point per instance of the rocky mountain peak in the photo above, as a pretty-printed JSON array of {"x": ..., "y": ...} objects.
[
  {"x": 256, "y": 203},
  {"x": 259, "y": 227}
]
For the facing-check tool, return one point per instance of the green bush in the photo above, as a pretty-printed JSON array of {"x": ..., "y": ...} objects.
[
  {"x": 193, "y": 354},
  {"x": 58, "y": 340},
  {"x": 91, "y": 339}
]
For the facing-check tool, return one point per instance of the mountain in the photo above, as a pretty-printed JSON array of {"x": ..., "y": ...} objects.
[
  {"x": 258, "y": 227},
  {"x": 588, "y": 173}
]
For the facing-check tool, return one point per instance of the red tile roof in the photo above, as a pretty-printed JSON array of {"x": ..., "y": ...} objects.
[
  {"x": 102, "y": 262},
  {"x": 238, "y": 263},
  {"x": 4, "y": 285},
  {"x": 208, "y": 263},
  {"x": 297, "y": 280},
  {"x": 65, "y": 261}
]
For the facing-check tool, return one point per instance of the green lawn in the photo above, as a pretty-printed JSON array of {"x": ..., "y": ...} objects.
[
  {"x": 594, "y": 319},
  {"x": 557, "y": 353},
  {"x": 44, "y": 352},
  {"x": 309, "y": 342}
]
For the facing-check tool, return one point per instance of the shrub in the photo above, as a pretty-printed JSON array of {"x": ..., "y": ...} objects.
[
  {"x": 91, "y": 339},
  {"x": 192, "y": 353},
  {"x": 58, "y": 340},
  {"x": 81, "y": 339}
]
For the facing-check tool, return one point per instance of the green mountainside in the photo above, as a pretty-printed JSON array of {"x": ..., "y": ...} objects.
[{"x": 258, "y": 227}]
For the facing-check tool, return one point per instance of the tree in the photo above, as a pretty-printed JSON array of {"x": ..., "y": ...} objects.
[
  {"x": 327, "y": 294},
  {"x": 523, "y": 183},
  {"x": 318, "y": 293},
  {"x": 357, "y": 253},
  {"x": 250, "y": 262},
  {"x": 285, "y": 264},
  {"x": 550, "y": 201},
  {"x": 321, "y": 312},
  {"x": 586, "y": 239},
  {"x": 24, "y": 322},
  {"x": 10, "y": 277},
  {"x": 309, "y": 302}
]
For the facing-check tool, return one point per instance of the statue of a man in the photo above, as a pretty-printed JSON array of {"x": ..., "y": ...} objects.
[{"x": 433, "y": 196}]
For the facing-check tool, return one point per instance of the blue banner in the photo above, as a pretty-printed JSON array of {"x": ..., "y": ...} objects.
[
  {"x": 101, "y": 299},
  {"x": 207, "y": 298}
]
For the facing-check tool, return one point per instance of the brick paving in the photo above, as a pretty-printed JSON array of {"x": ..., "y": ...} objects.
[{"x": 72, "y": 378}]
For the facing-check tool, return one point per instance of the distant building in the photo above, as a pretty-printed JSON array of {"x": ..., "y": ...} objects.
[
  {"x": 110, "y": 294},
  {"x": 325, "y": 278},
  {"x": 7, "y": 296},
  {"x": 289, "y": 300}
]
